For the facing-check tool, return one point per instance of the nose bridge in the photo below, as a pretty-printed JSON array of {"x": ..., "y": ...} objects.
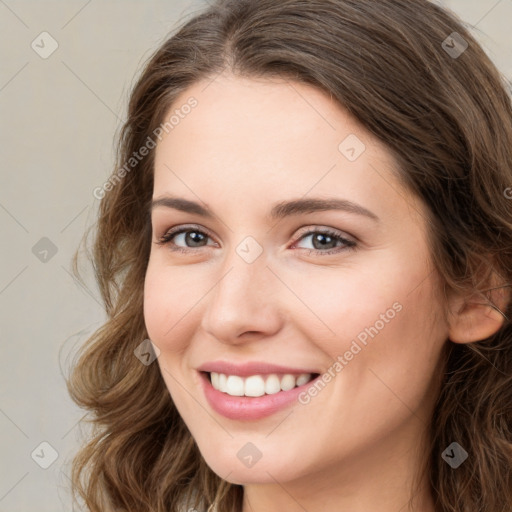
[{"x": 240, "y": 301}]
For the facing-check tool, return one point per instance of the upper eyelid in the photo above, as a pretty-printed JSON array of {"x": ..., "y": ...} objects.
[
  {"x": 157, "y": 216},
  {"x": 187, "y": 227}
]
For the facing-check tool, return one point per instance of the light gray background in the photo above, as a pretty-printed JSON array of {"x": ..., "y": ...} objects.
[{"x": 58, "y": 119}]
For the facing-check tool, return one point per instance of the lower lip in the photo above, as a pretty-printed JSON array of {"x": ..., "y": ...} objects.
[{"x": 249, "y": 408}]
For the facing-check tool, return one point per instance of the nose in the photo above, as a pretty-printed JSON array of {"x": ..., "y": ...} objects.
[{"x": 243, "y": 305}]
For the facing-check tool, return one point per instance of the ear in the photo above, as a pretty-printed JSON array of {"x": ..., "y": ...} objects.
[{"x": 478, "y": 316}]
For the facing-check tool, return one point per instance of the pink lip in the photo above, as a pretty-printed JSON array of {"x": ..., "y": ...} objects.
[
  {"x": 251, "y": 368},
  {"x": 250, "y": 408}
]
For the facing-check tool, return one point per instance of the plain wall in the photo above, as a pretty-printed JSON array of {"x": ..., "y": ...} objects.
[{"x": 58, "y": 117}]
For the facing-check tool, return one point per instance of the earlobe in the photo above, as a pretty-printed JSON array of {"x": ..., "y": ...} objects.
[{"x": 475, "y": 320}]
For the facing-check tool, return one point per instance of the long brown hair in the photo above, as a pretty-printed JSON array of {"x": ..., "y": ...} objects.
[{"x": 444, "y": 112}]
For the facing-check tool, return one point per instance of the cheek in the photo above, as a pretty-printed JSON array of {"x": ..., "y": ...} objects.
[
  {"x": 169, "y": 317},
  {"x": 337, "y": 305},
  {"x": 156, "y": 303},
  {"x": 169, "y": 299},
  {"x": 394, "y": 371},
  {"x": 384, "y": 319}
]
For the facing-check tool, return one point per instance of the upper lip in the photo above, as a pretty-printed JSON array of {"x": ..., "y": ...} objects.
[{"x": 250, "y": 368}]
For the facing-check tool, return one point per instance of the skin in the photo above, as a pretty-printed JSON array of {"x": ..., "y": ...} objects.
[{"x": 357, "y": 445}]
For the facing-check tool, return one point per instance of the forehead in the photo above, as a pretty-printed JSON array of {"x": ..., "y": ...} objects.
[
  {"x": 256, "y": 114},
  {"x": 264, "y": 139}
]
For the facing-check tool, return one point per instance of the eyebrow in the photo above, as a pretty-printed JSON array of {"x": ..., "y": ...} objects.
[{"x": 278, "y": 211}]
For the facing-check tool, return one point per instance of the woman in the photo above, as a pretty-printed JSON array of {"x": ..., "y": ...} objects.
[{"x": 305, "y": 253}]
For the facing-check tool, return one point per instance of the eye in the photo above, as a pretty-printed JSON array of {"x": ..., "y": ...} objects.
[
  {"x": 187, "y": 238},
  {"x": 326, "y": 241},
  {"x": 184, "y": 238}
]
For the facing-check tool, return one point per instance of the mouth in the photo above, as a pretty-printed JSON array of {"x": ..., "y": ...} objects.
[
  {"x": 253, "y": 397},
  {"x": 257, "y": 385}
]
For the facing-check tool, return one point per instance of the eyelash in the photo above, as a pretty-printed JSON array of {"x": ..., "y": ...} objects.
[{"x": 166, "y": 239}]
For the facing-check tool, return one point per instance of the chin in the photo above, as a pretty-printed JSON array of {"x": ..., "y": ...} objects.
[{"x": 262, "y": 471}]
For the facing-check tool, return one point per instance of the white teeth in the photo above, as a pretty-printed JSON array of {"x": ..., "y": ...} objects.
[
  {"x": 257, "y": 385},
  {"x": 254, "y": 386},
  {"x": 235, "y": 386},
  {"x": 222, "y": 382},
  {"x": 272, "y": 385},
  {"x": 215, "y": 380},
  {"x": 302, "y": 379},
  {"x": 287, "y": 382}
]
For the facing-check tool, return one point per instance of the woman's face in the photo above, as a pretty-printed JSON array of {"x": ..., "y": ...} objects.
[{"x": 302, "y": 256}]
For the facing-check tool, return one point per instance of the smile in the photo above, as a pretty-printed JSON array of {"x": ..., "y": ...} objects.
[
  {"x": 257, "y": 385},
  {"x": 253, "y": 397}
]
